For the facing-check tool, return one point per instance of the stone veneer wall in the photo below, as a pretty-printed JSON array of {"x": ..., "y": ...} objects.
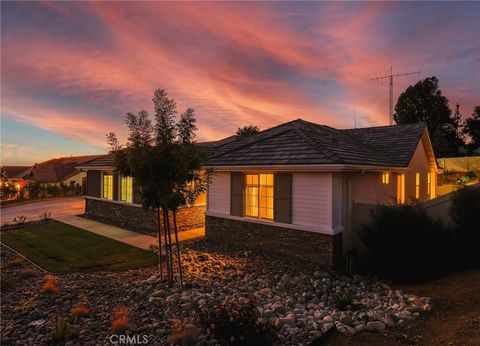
[
  {"x": 320, "y": 248},
  {"x": 138, "y": 219}
]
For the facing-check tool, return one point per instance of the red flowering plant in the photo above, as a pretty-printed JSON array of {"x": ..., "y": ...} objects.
[{"x": 235, "y": 324}]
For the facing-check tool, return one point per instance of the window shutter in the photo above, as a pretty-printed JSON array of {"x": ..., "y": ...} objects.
[
  {"x": 116, "y": 186},
  {"x": 283, "y": 198},
  {"x": 236, "y": 193},
  {"x": 93, "y": 183}
]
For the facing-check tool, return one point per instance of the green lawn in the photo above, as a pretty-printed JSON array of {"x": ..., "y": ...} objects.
[{"x": 61, "y": 248}]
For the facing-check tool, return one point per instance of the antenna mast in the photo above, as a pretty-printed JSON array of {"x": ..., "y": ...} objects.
[{"x": 390, "y": 78}]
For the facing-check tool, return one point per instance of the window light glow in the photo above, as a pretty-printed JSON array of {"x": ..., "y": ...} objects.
[
  {"x": 259, "y": 196},
  {"x": 417, "y": 185},
  {"x": 126, "y": 189},
  {"x": 107, "y": 185}
]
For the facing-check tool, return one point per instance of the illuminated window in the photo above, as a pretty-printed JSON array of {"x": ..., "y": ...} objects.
[
  {"x": 386, "y": 178},
  {"x": 417, "y": 185},
  {"x": 259, "y": 195},
  {"x": 107, "y": 185},
  {"x": 401, "y": 188},
  {"x": 429, "y": 184},
  {"x": 126, "y": 189}
]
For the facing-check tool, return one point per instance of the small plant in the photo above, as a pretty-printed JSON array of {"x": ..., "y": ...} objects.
[
  {"x": 235, "y": 323},
  {"x": 50, "y": 285},
  {"x": 19, "y": 220},
  {"x": 25, "y": 305},
  {"x": 120, "y": 322},
  {"x": 60, "y": 330},
  {"x": 44, "y": 217},
  {"x": 7, "y": 283},
  {"x": 184, "y": 332},
  {"x": 27, "y": 274},
  {"x": 342, "y": 301},
  {"x": 79, "y": 311}
]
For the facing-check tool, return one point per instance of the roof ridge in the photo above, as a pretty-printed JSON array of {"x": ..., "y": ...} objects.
[
  {"x": 249, "y": 140},
  {"x": 384, "y": 126},
  {"x": 314, "y": 145}
]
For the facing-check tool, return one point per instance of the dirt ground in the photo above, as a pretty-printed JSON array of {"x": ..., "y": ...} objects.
[{"x": 454, "y": 319}]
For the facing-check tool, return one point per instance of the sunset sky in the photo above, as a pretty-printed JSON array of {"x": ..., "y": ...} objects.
[{"x": 71, "y": 70}]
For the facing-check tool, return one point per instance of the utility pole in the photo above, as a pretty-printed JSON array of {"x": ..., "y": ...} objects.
[{"x": 390, "y": 78}]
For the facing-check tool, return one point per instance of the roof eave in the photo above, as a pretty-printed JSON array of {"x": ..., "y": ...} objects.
[
  {"x": 95, "y": 168},
  {"x": 308, "y": 168}
]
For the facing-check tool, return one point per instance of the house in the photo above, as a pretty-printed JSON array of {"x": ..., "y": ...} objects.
[
  {"x": 14, "y": 176},
  {"x": 60, "y": 170},
  {"x": 114, "y": 199},
  {"x": 293, "y": 188}
]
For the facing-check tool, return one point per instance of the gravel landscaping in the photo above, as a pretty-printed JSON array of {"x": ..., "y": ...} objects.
[{"x": 302, "y": 300}]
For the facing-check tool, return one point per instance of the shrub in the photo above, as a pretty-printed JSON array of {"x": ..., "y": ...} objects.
[
  {"x": 7, "y": 283},
  {"x": 79, "y": 311},
  {"x": 27, "y": 274},
  {"x": 120, "y": 322},
  {"x": 44, "y": 217},
  {"x": 237, "y": 324},
  {"x": 404, "y": 244},
  {"x": 25, "y": 305},
  {"x": 50, "y": 285},
  {"x": 20, "y": 220},
  {"x": 184, "y": 332},
  {"x": 465, "y": 213}
]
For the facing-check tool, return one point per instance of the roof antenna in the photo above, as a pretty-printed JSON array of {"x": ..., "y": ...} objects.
[
  {"x": 354, "y": 117},
  {"x": 390, "y": 78}
]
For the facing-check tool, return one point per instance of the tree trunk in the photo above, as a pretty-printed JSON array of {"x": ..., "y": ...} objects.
[
  {"x": 180, "y": 274},
  {"x": 170, "y": 247},
  {"x": 160, "y": 264},
  {"x": 167, "y": 249}
]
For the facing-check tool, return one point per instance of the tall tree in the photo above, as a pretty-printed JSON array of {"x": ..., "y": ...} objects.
[
  {"x": 424, "y": 102},
  {"x": 166, "y": 166},
  {"x": 248, "y": 130},
  {"x": 471, "y": 128}
]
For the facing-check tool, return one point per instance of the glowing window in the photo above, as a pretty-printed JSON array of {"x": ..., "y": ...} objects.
[
  {"x": 386, "y": 178},
  {"x": 107, "y": 185},
  {"x": 401, "y": 188},
  {"x": 417, "y": 185},
  {"x": 259, "y": 196},
  {"x": 126, "y": 189},
  {"x": 429, "y": 184}
]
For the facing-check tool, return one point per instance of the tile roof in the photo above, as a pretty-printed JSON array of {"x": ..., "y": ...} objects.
[
  {"x": 15, "y": 172},
  {"x": 300, "y": 142},
  {"x": 56, "y": 170}
]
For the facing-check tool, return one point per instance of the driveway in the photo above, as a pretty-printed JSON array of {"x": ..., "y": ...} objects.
[{"x": 58, "y": 207}]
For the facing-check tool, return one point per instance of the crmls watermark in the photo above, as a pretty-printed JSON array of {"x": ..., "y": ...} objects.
[{"x": 128, "y": 339}]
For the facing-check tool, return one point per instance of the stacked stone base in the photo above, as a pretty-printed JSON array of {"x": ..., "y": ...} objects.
[
  {"x": 319, "y": 248},
  {"x": 141, "y": 220}
]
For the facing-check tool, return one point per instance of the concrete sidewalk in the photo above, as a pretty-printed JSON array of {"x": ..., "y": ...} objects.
[{"x": 139, "y": 240}]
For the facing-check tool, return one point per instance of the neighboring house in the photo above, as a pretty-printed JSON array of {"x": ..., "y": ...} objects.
[
  {"x": 114, "y": 199},
  {"x": 14, "y": 176},
  {"x": 292, "y": 189},
  {"x": 60, "y": 170}
]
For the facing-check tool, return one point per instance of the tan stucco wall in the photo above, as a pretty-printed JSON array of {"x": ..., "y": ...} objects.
[
  {"x": 418, "y": 164},
  {"x": 77, "y": 178},
  {"x": 368, "y": 187}
]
